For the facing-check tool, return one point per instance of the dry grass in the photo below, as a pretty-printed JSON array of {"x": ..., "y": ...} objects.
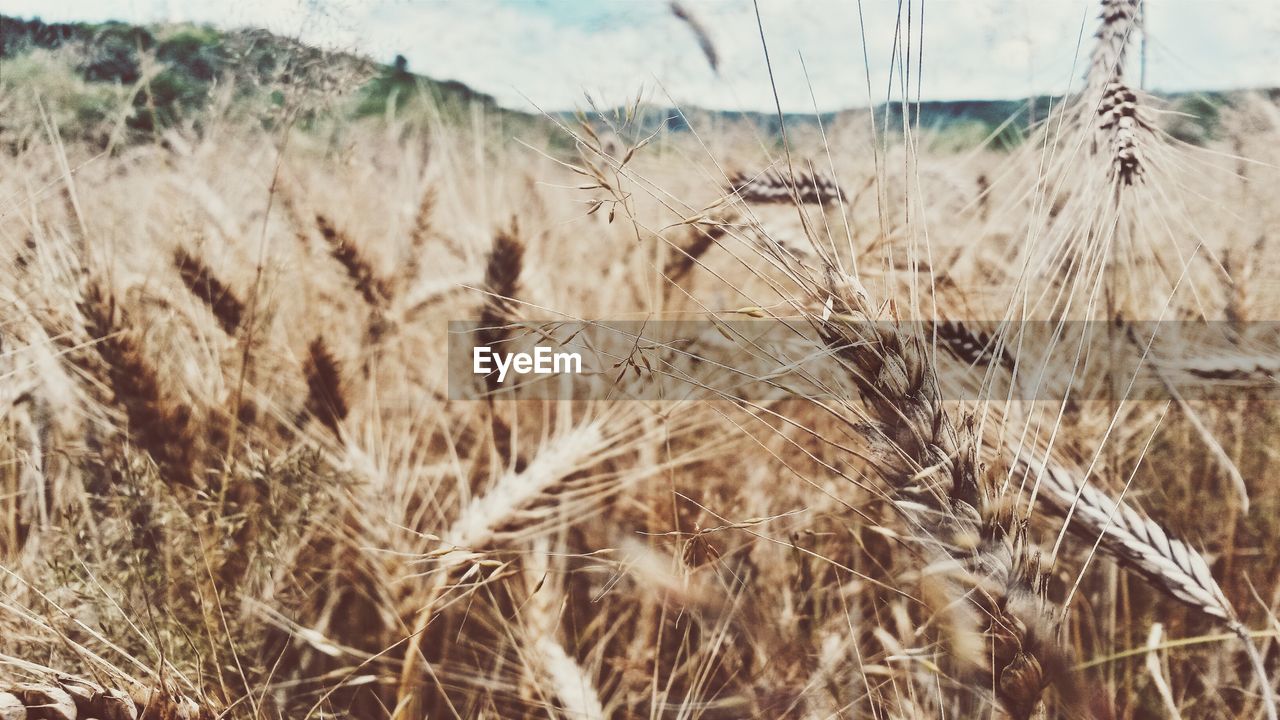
[{"x": 232, "y": 483}]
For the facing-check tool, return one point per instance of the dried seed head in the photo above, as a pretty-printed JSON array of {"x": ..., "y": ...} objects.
[
  {"x": 1120, "y": 128},
  {"x": 215, "y": 294},
  {"x": 375, "y": 291},
  {"x": 326, "y": 401},
  {"x": 772, "y": 186},
  {"x": 952, "y": 503}
]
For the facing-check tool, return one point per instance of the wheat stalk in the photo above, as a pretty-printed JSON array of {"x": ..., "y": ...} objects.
[
  {"x": 517, "y": 508},
  {"x": 952, "y": 503},
  {"x": 501, "y": 284},
  {"x": 27, "y": 500},
  {"x": 156, "y": 423},
  {"x": 479, "y": 524},
  {"x": 480, "y": 521},
  {"x": 570, "y": 682},
  {"x": 1121, "y": 530},
  {"x": 1141, "y": 544},
  {"x": 1137, "y": 541},
  {"x": 1259, "y": 369}
]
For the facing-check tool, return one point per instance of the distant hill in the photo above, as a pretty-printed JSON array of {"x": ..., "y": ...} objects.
[
  {"x": 172, "y": 75},
  {"x": 963, "y": 123}
]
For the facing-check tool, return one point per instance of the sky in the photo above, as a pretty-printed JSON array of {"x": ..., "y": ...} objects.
[{"x": 825, "y": 54}]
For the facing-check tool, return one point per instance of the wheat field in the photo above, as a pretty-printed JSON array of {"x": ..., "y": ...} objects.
[{"x": 238, "y": 479}]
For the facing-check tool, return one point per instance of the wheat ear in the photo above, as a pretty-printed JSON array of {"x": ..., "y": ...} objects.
[
  {"x": 501, "y": 283},
  {"x": 73, "y": 699},
  {"x": 214, "y": 293},
  {"x": 480, "y": 524},
  {"x": 1118, "y": 23},
  {"x": 375, "y": 291},
  {"x": 1141, "y": 544},
  {"x": 946, "y": 495},
  {"x": 418, "y": 236},
  {"x": 1119, "y": 123},
  {"x": 772, "y": 186},
  {"x": 570, "y": 682},
  {"x": 1137, "y": 541},
  {"x": 685, "y": 15},
  {"x": 326, "y": 400},
  {"x": 1119, "y": 529},
  {"x": 156, "y": 423},
  {"x": 701, "y": 237}
]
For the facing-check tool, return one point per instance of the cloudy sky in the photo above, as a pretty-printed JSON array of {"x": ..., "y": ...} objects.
[{"x": 552, "y": 52}]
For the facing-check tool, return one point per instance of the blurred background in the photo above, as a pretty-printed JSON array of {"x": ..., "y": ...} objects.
[{"x": 549, "y": 53}]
